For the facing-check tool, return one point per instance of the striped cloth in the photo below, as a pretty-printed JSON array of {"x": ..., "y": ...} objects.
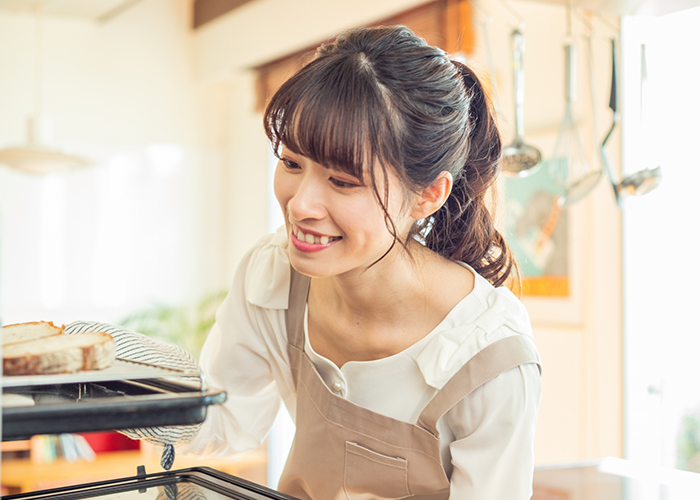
[{"x": 137, "y": 347}]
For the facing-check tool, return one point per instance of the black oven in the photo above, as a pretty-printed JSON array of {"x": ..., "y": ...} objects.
[{"x": 126, "y": 395}]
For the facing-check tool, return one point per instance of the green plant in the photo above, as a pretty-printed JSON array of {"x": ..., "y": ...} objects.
[
  {"x": 185, "y": 326},
  {"x": 688, "y": 457}
]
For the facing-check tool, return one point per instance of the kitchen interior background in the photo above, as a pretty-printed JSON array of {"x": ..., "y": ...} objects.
[{"x": 180, "y": 188}]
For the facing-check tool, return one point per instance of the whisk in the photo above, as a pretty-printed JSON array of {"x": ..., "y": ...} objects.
[{"x": 569, "y": 165}]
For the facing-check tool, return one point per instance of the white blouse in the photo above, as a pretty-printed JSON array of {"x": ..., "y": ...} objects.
[{"x": 486, "y": 439}]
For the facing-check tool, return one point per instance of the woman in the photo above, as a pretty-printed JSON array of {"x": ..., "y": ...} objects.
[
  {"x": 376, "y": 313},
  {"x": 386, "y": 150}
]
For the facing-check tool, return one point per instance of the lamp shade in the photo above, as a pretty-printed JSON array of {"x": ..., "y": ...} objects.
[
  {"x": 38, "y": 160},
  {"x": 36, "y": 156}
]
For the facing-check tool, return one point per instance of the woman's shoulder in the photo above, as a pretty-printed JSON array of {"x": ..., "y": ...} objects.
[
  {"x": 501, "y": 302},
  {"x": 264, "y": 272},
  {"x": 486, "y": 315},
  {"x": 490, "y": 308}
]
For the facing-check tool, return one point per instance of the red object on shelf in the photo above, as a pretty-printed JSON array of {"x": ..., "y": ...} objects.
[{"x": 102, "y": 442}]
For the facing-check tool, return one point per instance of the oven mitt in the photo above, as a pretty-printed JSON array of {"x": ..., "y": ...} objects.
[{"x": 138, "y": 347}]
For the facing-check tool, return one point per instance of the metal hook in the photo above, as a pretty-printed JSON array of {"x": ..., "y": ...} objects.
[
  {"x": 489, "y": 54},
  {"x": 606, "y": 22},
  {"x": 478, "y": 6},
  {"x": 514, "y": 13},
  {"x": 585, "y": 21}
]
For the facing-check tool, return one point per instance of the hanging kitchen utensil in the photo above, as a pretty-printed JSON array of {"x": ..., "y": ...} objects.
[
  {"x": 637, "y": 183},
  {"x": 489, "y": 57},
  {"x": 519, "y": 158},
  {"x": 569, "y": 166}
]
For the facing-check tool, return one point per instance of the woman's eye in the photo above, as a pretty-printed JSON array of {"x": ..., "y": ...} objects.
[
  {"x": 291, "y": 165},
  {"x": 342, "y": 184}
]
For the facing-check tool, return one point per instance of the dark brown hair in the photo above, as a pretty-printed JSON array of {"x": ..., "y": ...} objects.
[{"x": 384, "y": 97}]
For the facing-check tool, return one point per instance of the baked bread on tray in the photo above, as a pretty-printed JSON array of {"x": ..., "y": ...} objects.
[
  {"x": 40, "y": 348},
  {"x": 22, "y": 332}
]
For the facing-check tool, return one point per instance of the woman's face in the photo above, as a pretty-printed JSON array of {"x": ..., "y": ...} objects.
[{"x": 334, "y": 223}]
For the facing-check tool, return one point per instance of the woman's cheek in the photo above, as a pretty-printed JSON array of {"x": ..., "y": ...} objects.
[{"x": 367, "y": 218}]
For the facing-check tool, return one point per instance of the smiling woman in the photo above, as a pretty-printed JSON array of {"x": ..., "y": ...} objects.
[{"x": 376, "y": 313}]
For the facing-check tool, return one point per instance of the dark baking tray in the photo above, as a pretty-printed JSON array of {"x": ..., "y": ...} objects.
[
  {"x": 197, "y": 483},
  {"x": 106, "y": 405}
]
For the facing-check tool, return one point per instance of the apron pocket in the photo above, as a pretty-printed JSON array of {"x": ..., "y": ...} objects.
[{"x": 371, "y": 475}]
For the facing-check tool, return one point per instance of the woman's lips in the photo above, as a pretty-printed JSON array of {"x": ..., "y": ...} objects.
[{"x": 308, "y": 242}]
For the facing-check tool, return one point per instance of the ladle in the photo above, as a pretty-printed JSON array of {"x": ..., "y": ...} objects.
[
  {"x": 640, "y": 182},
  {"x": 519, "y": 158}
]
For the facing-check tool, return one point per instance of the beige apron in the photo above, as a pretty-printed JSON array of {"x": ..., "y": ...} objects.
[{"x": 344, "y": 451}]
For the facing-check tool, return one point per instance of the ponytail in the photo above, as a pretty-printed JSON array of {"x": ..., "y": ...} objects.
[{"x": 463, "y": 230}]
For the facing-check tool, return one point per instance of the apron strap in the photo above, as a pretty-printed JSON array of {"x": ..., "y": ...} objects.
[
  {"x": 484, "y": 366},
  {"x": 294, "y": 315}
]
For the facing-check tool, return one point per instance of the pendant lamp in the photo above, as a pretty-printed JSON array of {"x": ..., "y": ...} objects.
[{"x": 36, "y": 156}]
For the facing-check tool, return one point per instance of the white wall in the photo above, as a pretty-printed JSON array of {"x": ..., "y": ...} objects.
[
  {"x": 143, "y": 224},
  {"x": 127, "y": 81}
]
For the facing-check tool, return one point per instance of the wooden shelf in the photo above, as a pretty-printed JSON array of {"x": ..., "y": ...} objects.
[{"x": 15, "y": 445}]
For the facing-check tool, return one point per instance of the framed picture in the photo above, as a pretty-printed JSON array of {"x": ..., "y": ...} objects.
[{"x": 546, "y": 240}]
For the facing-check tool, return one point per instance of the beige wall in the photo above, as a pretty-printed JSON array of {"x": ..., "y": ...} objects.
[{"x": 580, "y": 340}]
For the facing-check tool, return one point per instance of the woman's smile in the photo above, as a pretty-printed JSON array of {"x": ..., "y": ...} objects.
[{"x": 310, "y": 241}]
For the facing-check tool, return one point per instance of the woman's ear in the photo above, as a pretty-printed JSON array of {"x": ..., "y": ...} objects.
[{"x": 433, "y": 197}]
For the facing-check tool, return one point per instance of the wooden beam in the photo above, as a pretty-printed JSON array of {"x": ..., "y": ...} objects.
[
  {"x": 208, "y": 10},
  {"x": 467, "y": 33}
]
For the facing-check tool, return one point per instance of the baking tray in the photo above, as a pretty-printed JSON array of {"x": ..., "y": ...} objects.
[
  {"x": 197, "y": 483},
  {"x": 105, "y": 405}
]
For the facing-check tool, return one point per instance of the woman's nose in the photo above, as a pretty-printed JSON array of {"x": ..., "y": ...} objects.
[{"x": 306, "y": 201}]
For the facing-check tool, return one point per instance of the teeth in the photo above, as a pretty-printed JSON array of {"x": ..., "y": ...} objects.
[{"x": 311, "y": 238}]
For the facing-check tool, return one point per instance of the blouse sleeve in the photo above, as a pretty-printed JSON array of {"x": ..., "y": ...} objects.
[
  {"x": 245, "y": 355},
  {"x": 494, "y": 428}
]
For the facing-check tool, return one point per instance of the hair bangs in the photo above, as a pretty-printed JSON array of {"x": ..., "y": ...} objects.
[{"x": 334, "y": 113}]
